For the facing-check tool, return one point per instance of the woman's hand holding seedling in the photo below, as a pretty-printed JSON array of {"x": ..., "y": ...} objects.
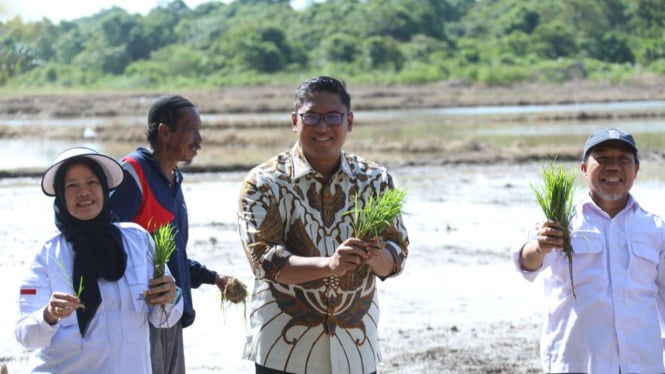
[
  {"x": 162, "y": 290},
  {"x": 61, "y": 305},
  {"x": 162, "y": 287}
]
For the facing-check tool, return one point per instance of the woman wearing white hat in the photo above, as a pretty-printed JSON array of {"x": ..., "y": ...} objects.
[{"x": 88, "y": 295}]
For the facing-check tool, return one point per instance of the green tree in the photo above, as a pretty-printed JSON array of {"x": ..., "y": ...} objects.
[
  {"x": 253, "y": 41},
  {"x": 613, "y": 47},
  {"x": 69, "y": 45},
  {"x": 168, "y": 64},
  {"x": 261, "y": 2},
  {"x": 116, "y": 26},
  {"x": 251, "y": 47},
  {"x": 25, "y": 46},
  {"x": 646, "y": 16},
  {"x": 340, "y": 48},
  {"x": 422, "y": 47},
  {"x": 518, "y": 43},
  {"x": 521, "y": 18},
  {"x": 555, "y": 40},
  {"x": 382, "y": 52},
  {"x": 322, "y": 20}
]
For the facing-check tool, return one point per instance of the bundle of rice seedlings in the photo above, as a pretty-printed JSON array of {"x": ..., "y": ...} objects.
[
  {"x": 555, "y": 198},
  {"x": 372, "y": 219},
  {"x": 235, "y": 291},
  {"x": 164, "y": 239}
]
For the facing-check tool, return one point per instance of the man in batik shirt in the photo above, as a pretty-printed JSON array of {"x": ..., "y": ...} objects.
[{"x": 314, "y": 308}]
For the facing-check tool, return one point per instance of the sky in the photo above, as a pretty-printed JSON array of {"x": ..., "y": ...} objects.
[{"x": 58, "y": 10}]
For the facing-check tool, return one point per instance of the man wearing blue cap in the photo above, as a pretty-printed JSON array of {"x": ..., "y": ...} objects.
[{"x": 612, "y": 325}]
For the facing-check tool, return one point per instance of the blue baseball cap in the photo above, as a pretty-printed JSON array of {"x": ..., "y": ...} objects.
[{"x": 606, "y": 135}]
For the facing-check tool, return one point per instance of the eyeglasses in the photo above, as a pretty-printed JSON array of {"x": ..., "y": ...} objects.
[{"x": 330, "y": 118}]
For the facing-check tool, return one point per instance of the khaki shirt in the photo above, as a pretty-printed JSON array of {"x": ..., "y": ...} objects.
[{"x": 328, "y": 325}]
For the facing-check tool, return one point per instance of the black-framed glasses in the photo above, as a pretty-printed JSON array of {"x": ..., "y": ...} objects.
[{"x": 330, "y": 118}]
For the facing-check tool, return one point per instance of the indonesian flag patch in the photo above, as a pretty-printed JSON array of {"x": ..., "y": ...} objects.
[{"x": 28, "y": 291}]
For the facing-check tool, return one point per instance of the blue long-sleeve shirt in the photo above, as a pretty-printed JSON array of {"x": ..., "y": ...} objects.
[{"x": 147, "y": 197}]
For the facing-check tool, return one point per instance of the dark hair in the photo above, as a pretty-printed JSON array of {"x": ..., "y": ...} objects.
[
  {"x": 322, "y": 84},
  {"x": 165, "y": 110}
]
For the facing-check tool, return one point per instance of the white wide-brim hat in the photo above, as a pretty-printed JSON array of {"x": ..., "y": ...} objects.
[{"x": 111, "y": 168}]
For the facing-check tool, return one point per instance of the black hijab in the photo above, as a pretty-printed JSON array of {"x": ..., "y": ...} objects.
[{"x": 97, "y": 243}]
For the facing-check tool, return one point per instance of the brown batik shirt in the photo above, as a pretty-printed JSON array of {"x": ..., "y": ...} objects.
[{"x": 327, "y": 325}]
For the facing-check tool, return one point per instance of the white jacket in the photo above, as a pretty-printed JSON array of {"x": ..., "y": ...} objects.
[{"x": 117, "y": 340}]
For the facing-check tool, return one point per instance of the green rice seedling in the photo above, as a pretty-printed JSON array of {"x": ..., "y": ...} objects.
[
  {"x": 372, "y": 219},
  {"x": 378, "y": 213},
  {"x": 77, "y": 290},
  {"x": 555, "y": 198},
  {"x": 164, "y": 246},
  {"x": 164, "y": 238}
]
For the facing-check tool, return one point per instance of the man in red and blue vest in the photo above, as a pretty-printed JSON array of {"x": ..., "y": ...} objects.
[{"x": 151, "y": 195}]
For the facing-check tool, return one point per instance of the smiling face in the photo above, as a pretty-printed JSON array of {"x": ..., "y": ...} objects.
[
  {"x": 322, "y": 143},
  {"x": 184, "y": 141},
  {"x": 610, "y": 170},
  {"x": 84, "y": 195}
]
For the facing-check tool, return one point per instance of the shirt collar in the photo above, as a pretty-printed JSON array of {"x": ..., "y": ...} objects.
[
  {"x": 150, "y": 158},
  {"x": 302, "y": 167}
]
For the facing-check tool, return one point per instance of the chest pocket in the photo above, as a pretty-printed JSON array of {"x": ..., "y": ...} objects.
[
  {"x": 643, "y": 265},
  {"x": 137, "y": 281},
  {"x": 586, "y": 242},
  {"x": 588, "y": 248},
  {"x": 135, "y": 319}
]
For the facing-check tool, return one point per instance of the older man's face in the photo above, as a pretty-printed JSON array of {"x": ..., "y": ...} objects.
[{"x": 610, "y": 171}]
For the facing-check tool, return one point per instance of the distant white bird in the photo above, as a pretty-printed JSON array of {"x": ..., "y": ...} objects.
[{"x": 89, "y": 133}]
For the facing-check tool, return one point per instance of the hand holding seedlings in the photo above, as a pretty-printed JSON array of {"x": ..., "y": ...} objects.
[
  {"x": 555, "y": 198},
  {"x": 232, "y": 289},
  {"x": 375, "y": 255},
  {"x": 162, "y": 290},
  {"x": 377, "y": 214},
  {"x": 162, "y": 287},
  {"x": 61, "y": 305},
  {"x": 164, "y": 246},
  {"x": 550, "y": 236},
  {"x": 347, "y": 256},
  {"x": 371, "y": 220}
]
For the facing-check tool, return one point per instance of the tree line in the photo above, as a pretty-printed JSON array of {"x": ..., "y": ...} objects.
[{"x": 253, "y": 42}]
